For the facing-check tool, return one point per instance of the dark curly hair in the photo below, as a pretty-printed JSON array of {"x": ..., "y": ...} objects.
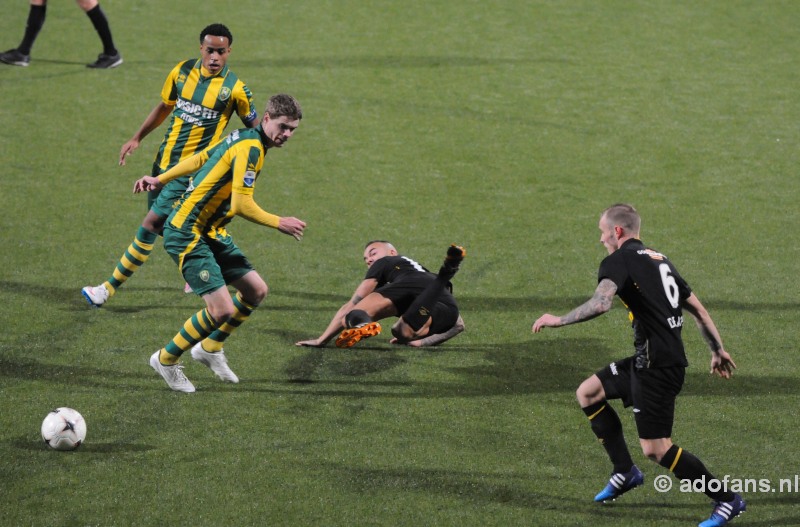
[{"x": 217, "y": 30}]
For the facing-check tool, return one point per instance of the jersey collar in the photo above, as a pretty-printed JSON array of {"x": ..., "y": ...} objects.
[
  {"x": 632, "y": 242},
  {"x": 263, "y": 136},
  {"x": 206, "y": 75}
]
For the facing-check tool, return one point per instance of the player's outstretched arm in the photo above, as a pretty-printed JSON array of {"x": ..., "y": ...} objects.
[
  {"x": 334, "y": 327},
  {"x": 153, "y": 120},
  {"x": 721, "y": 362},
  {"x": 245, "y": 206},
  {"x": 187, "y": 166},
  {"x": 600, "y": 303},
  {"x": 336, "y": 324}
]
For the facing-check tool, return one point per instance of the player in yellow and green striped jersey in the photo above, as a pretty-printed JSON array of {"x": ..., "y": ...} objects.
[
  {"x": 199, "y": 95},
  {"x": 194, "y": 235}
]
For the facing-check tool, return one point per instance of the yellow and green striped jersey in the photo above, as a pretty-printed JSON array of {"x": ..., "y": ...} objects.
[
  {"x": 229, "y": 167},
  {"x": 203, "y": 105}
]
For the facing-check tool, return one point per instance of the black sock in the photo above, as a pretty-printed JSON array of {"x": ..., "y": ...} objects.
[
  {"x": 355, "y": 318},
  {"x": 100, "y": 23},
  {"x": 686, "y": 466},
  {"x": 608, "y": 429},
  {"x": 420, "y": 311},
  {"x": 35, "y": 22}
]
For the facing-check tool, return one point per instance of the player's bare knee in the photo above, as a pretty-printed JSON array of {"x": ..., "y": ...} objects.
[
  {"x": 258, "y": 294},
  {"x": 153, "y": 223},
  {"x": 651, "y": 453},
  {"x": 221, "y": 314},
  {"x": 87, "y": 5},
  {"x": 590, "y": 391},
  {"x": 655, "y": 449},
  {"x": 252, "y": 288}
]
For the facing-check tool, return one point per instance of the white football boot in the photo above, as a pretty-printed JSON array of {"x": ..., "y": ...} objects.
[
  {"x": 216, "y": 361},
  {"x": 172, "y": 374},
  {"x": 96, "y": 296}
]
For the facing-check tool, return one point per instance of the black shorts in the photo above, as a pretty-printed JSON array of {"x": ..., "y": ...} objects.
[
  {"x": 651, "y": 391},
  {"x": 443, "y": 318},
  {"x": 402, "y": 294}
]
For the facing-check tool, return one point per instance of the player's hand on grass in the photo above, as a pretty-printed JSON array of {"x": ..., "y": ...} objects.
[
  {"x": 722, "y": 364},
  {"x": 546, "y": 321},
  {"x": 146, "y": 183},
  {"x": 314, "y": 343},
  {"x": 292, "y": 226}
]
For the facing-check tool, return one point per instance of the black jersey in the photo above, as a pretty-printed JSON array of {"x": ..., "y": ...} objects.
[
  {"x": 391, "y": 269},
  {"x": 653, "y": 291}
]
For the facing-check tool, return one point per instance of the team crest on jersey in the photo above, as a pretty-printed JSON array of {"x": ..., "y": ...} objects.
[
  {"x": 224, "y": 93},
  {"x": 249, "y": 178},
  {"x": 204, "y": 275},
  {"x": 181, "y": 78}
]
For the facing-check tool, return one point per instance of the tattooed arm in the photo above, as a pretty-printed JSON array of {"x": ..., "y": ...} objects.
[
  {"x": 366, "y": 287},
  {"x": 595, "y": 306},
  {"x": 435, "y": 339}
]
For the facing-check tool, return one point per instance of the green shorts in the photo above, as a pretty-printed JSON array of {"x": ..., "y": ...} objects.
[
  {"x": 211, "y": 264},
  {"x": 163, "y": 200}
]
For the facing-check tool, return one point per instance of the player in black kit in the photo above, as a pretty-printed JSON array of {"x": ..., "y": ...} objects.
[
  {"x": 655, "y": 294},
  {"x": 395, "y": 286}
]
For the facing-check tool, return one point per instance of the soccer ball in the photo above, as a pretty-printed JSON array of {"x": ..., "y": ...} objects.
[{"x": 63, "y": 429}]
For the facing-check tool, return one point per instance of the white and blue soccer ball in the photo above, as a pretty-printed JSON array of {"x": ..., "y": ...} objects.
[{"x": 64, "y": 429}]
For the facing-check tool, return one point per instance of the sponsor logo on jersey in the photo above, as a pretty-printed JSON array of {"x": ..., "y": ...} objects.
[
  {"x": 636, "y": 410},
  {"x": 652, "y": 254},
  {"x": 224, "y": 93},
  {"x": 196, "y": 110},
  {"x": 249, "y": 178},
  {"x": 613, "y": 367}
]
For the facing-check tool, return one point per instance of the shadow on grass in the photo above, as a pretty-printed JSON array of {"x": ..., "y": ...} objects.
[
  {"x": 514, "y": 369},
  {"x": 518, "y": 491},
  {"x": 35, "y": 445},
  {"x": 521, "y": 368},
  {"x": 71, "y": 298},
  {"x": 33, "y": 370}
]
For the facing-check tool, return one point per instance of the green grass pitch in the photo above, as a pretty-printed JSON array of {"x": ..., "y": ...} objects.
[{"x": 503, "y": 126}]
